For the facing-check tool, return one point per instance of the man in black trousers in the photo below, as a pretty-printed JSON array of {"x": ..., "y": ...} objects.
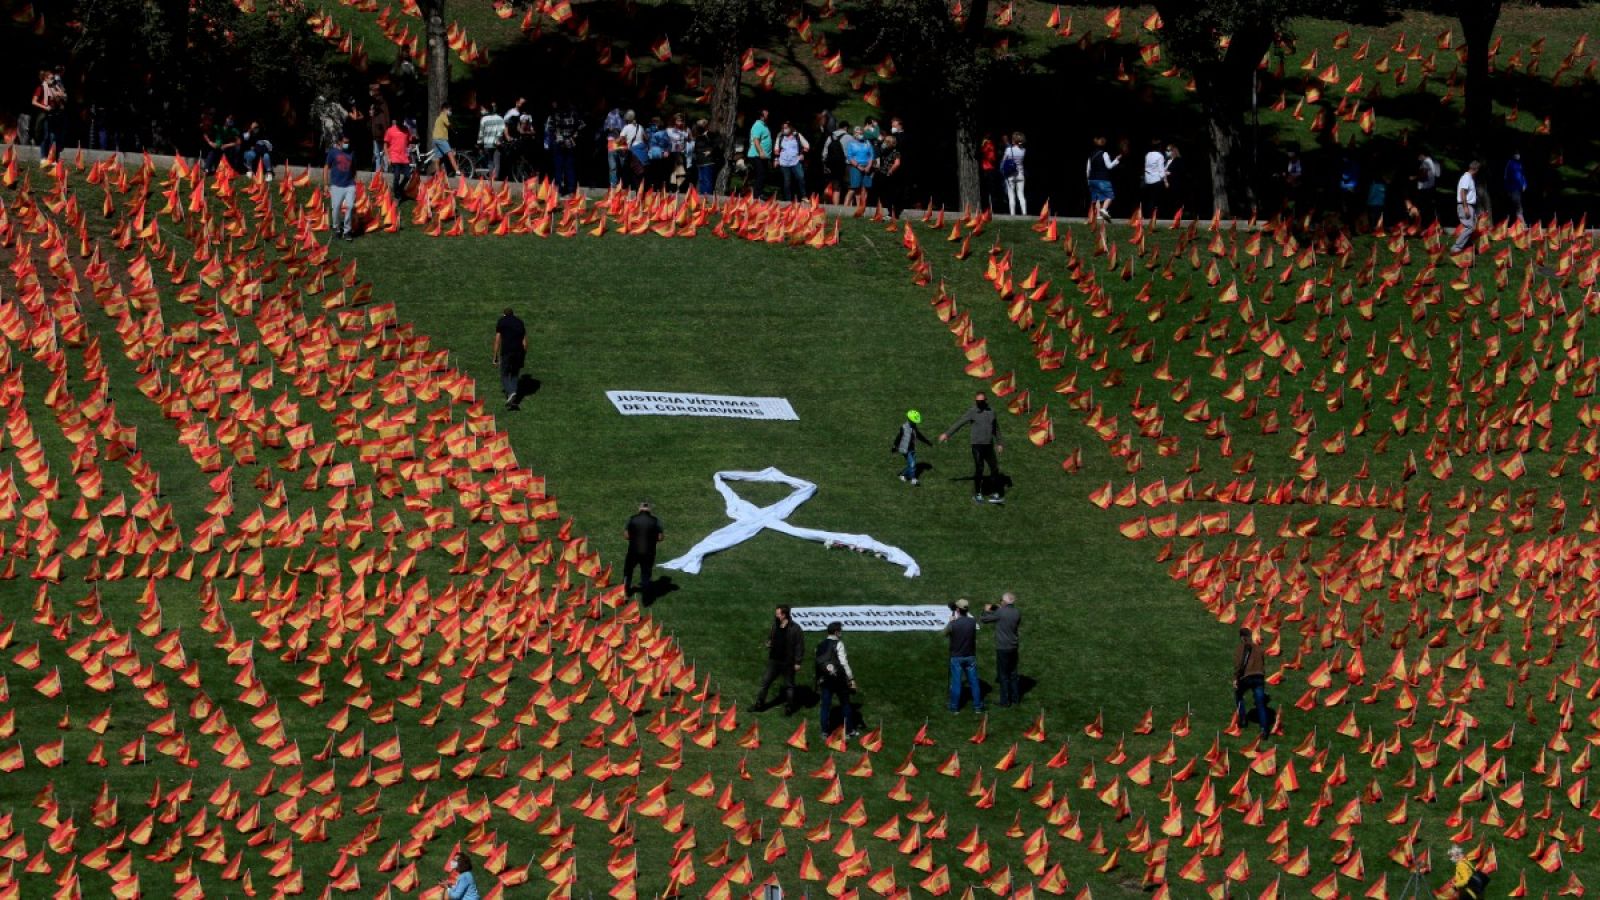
[
  {"x": 985, "y": 443},
  {"x": 510, "y": 352},
  {"x": 1007, "y": 620},
  {"x": 786, "y": 647},
  {"x": 643, "y": 534}
]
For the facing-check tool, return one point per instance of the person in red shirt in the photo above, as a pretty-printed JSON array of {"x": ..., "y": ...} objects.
[
  {"x": 988, "y": 171},
  {"x": 397, "y": 150}
]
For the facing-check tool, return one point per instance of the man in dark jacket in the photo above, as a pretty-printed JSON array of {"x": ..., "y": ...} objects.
[
  {"x": 962, "y": 630},
  {"x": 1007, "y": 621},
  {"x": 786, "y": 649},
  {"x": 643, "y": 533},
  {"x": 985, "y": 444},
  {"x": 1250, "y": 676},
  {"x": 510, "y": 354}
]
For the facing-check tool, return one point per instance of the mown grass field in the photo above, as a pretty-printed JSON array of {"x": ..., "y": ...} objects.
[{"x": 1348, "y": 448}]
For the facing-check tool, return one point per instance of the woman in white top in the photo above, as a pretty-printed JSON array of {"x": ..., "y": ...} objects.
[
  {"x": 1098, "y": 174},
  {"x": 1155, "y": 180},
  {"x": 1012, "y": 174}
]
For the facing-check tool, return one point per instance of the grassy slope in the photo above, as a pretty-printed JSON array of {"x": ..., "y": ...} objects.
[
  {"x": 1106, "y": 630},
  {"x": 843, "y": 334},
  {"x": 852, "y": 345}
]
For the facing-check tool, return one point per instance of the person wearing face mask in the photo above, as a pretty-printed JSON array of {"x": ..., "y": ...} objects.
[
  {"x": 459, "y": 883},
  {"x": 792, "y": 150},
  {"x": 339, "y": 173},
  {"x": 985, "y": 444}
]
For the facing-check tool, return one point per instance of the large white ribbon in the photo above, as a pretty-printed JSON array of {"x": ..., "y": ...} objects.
[{"x": 749, "y": 520}]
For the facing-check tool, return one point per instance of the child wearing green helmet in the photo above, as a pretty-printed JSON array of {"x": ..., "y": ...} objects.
[{"x": 905, "y": 444}]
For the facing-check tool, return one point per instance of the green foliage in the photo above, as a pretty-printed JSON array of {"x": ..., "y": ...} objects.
[
  {"x": 724, "y": 28},
  {"x": 166, "y": 60},
  {"x": 932, "y": 48}
]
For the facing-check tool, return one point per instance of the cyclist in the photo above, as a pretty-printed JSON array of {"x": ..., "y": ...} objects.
[{"x": 441, "y": 138}]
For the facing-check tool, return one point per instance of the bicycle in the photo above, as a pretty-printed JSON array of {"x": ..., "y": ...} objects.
[{"x": 427, "y": 161}]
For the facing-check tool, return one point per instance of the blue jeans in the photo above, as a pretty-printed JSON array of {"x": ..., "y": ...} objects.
[
  {"x": 1259, "y": 690},
  {"x": 565, "y": 164},
  {"x": 250, "y": 157},
  {"x": 911, "y": 464},
  {"x": 828, "y": 692},
  {"x": 794, "y": 182},
  {"x": 399, "y": 181},
  {"x": 967, "y": 667},
  {"x": 708, "y": 180}
]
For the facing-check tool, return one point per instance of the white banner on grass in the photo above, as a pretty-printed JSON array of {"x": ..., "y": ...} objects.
[
  {"x": 658, "y": 403},
  {"x": 872, "y": 618},
  {"x": 750, "y": 520}
]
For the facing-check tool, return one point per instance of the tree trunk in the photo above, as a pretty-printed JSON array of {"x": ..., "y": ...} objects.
[
  {"x": 725, "y": 112},
  {"x": 968, "y": 173},
  {"x": 968, "y": 138},
  {"x": 1219, "y": 129},
  {"x": 1478, "y": 18},
  {"x": 438, "y": 59}
]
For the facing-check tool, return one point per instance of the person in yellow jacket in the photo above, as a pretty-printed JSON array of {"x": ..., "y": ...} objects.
[{"x": 1467, "y": 880}]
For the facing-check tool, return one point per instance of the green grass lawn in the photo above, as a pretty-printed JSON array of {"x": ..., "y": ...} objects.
[{"x": 1478, "y": 585}]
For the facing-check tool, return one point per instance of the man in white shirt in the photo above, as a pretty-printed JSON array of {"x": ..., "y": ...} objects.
[
  {"x": 1466, "y": 206},
  {"x": 1427, "y": 181},
  {"x": 1154, "y": 186},
  {"x": 491, "y": 128}
]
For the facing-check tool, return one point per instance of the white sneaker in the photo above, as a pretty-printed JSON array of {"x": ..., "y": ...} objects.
[
  {"x": 915, "y": 482},
  {"x": 903, "y": 477}
]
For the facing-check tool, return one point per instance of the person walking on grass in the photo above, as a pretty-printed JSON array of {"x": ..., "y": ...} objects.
[
  {"x": 962, "y": 632},
  {"x": 1466, "y": 206},
  {"x": 643, "y": 533},
  {"x": 835, "y": 678},
  {"x": 510, "y": 353},
  {"x": 339, "y": 173},
  {"x": 1007, "y": 622},
  {"x": 1250, "y": 675},
  {"x": 905, "y": 444},
  {"x": 985, "y": 445},
  {"x": 786, "y": 647}
]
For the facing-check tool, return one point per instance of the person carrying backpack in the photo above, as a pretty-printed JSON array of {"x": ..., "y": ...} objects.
[
  {"x": 835, "y": 679},
  {"x": 834, "y": 163},
  {"x": 905, "y": 444},
  {"x": 1014, "y": 175}
]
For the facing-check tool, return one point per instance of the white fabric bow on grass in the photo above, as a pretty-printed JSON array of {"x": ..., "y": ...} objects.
[{"x": 749, "y": 520}]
